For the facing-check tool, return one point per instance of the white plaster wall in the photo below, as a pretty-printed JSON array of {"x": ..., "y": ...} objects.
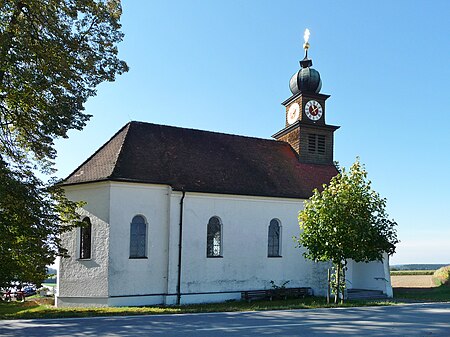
[
  {"x": 245, "y": 264},
  {"x": 387, "y": 275},
  {"x": 319, "y": 278},
  {"x": 138, "y": 276},
  {"x": 112, "y": 278},
  {"x": 86, "y": 278},
  {"x": 86, "y": 301},
  {"x": 369, "y": 275},
  {"x": 130, "y": 301},
  {"x": 173, "y": 246}
]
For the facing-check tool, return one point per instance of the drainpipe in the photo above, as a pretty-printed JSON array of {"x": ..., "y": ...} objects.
[{"x": 180, "y": 240}]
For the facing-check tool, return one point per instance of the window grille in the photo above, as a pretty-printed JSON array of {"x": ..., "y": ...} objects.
[
  {"x": 274, "y": 238},
  {"x": 312, "y": 143},
  {"x": 316, "y": 143},
  {"x": 321, "y": 144},
  {"x": 138, "y": 237},
  {"x": 214, "y": 238},
  {"x": 86, "y": 239}
]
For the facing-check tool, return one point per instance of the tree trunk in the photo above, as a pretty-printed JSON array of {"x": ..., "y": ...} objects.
[
  {"x": 328, "y": 285},
  {"x": 343, "y": 280},
  {"x": 338, "y": 283}
]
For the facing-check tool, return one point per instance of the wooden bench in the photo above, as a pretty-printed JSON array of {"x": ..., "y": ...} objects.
[
  {"x": 276, "y": 293},
  {"x": 256, "y": 294},
  {"x": 298, "y": 292}
]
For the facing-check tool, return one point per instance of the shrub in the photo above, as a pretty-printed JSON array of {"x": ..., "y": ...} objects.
[{"x": 442, "y": 276}]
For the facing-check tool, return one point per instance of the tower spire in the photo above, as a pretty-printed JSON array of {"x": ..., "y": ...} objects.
[
  {"x": 306, "y": 79},
  {"x": 306, "y": 130}
]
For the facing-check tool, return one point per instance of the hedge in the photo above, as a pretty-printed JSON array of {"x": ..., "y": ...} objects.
[{"x": 442, "y": 276}]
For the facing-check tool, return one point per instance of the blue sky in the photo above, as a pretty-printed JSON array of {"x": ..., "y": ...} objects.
[{"x": 225, "y": 66}]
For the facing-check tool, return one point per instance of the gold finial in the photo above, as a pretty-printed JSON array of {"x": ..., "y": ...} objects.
[
  {"x": 306, "y": 38},
  {"x": 306, "y": 62}
]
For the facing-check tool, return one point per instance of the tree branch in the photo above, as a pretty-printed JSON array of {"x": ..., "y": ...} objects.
[{"x": 7, "y": 37}]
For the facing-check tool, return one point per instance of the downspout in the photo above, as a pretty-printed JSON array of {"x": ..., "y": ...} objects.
[{"x": 180, "y": 240}]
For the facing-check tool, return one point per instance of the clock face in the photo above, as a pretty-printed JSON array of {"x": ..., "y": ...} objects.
[
  {"x": 293, "y": 113},
  {"x": 313, "y": 110}
]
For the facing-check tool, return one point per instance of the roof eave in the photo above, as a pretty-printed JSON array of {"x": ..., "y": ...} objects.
[{"x": 194, "y": 190}]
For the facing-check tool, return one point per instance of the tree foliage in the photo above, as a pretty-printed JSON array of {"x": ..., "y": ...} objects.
[
  {"x": 53, "y": 54},
  {"x": 347, "y": 220}
]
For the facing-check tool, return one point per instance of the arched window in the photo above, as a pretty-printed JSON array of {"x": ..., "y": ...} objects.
[
  {"x": 85, "y": 239},
  {"x": 274, "y": 238},
  {"x": 138, "y": 237},
  {"x": 214, "y": 238}
]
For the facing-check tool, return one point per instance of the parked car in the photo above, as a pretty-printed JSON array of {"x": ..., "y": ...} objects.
[{"x": 29, "y": 291}]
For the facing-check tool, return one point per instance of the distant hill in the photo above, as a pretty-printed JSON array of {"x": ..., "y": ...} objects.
[
  {"x": 51, "y": 271},
  {"x": 417, "y": 266}
]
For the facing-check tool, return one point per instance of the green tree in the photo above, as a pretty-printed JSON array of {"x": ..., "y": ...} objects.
[
  {"x": 53, "y": 54},
  {"x": 346, "y": 220}
]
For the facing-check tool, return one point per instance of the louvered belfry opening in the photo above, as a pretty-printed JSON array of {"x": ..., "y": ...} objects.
[{"x": 316, "y": 144}]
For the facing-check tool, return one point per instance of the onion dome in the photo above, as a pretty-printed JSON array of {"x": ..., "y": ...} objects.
[{"x": 306, "y": 79}]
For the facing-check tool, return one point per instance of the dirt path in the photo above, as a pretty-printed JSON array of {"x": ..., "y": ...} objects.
[{"x": 412, "y": 281}]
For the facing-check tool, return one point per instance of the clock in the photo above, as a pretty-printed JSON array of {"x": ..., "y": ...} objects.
[
  {"x": 313, "y": 110},
  {"x": 293, "y": 113}
]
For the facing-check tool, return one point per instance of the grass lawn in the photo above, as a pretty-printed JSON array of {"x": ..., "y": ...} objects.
[
  {"x": 49, "y": 285},
  {"x": 37, "y": 308},
  {"x": 434, "y": 294}
]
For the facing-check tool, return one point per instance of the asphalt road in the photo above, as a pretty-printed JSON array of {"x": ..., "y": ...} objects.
[{"x": 402, "y": 320}]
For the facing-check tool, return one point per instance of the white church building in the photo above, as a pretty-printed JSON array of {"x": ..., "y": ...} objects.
[{"x": 176, "y": 215}]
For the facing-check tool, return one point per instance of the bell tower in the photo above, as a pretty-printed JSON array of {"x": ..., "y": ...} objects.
[{"x": 306, "y": 130}]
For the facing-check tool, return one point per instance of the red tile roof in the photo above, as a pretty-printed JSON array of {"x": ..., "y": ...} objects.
[{"x": 202, "y": 161}]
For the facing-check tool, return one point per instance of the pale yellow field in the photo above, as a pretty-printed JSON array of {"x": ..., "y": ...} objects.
[{"x": 412, "y": 281}]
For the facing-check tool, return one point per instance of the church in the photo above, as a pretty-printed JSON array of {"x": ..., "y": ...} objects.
[{"x": 179, "y": 216}]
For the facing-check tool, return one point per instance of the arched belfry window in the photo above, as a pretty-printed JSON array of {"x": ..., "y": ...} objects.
[
  {"x": 274, "y": 239},
  {"x": 138, "y": 237},
  {"x": 214, "y": 238},
  {"x": 85, "y": 239}
]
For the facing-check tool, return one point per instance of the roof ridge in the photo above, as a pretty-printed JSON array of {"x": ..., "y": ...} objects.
[{"x": 207, "y": 131}]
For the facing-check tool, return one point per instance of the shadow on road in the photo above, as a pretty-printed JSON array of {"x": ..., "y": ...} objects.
[{"x": 404, "y": 320}]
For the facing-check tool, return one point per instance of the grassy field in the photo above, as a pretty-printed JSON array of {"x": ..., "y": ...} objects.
[
  {"x": 435, "y": 294},
  {"x": 411, "y": 272},
  {"x": 418, "y": 287},
  {"x": 34, "y": 308}
]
